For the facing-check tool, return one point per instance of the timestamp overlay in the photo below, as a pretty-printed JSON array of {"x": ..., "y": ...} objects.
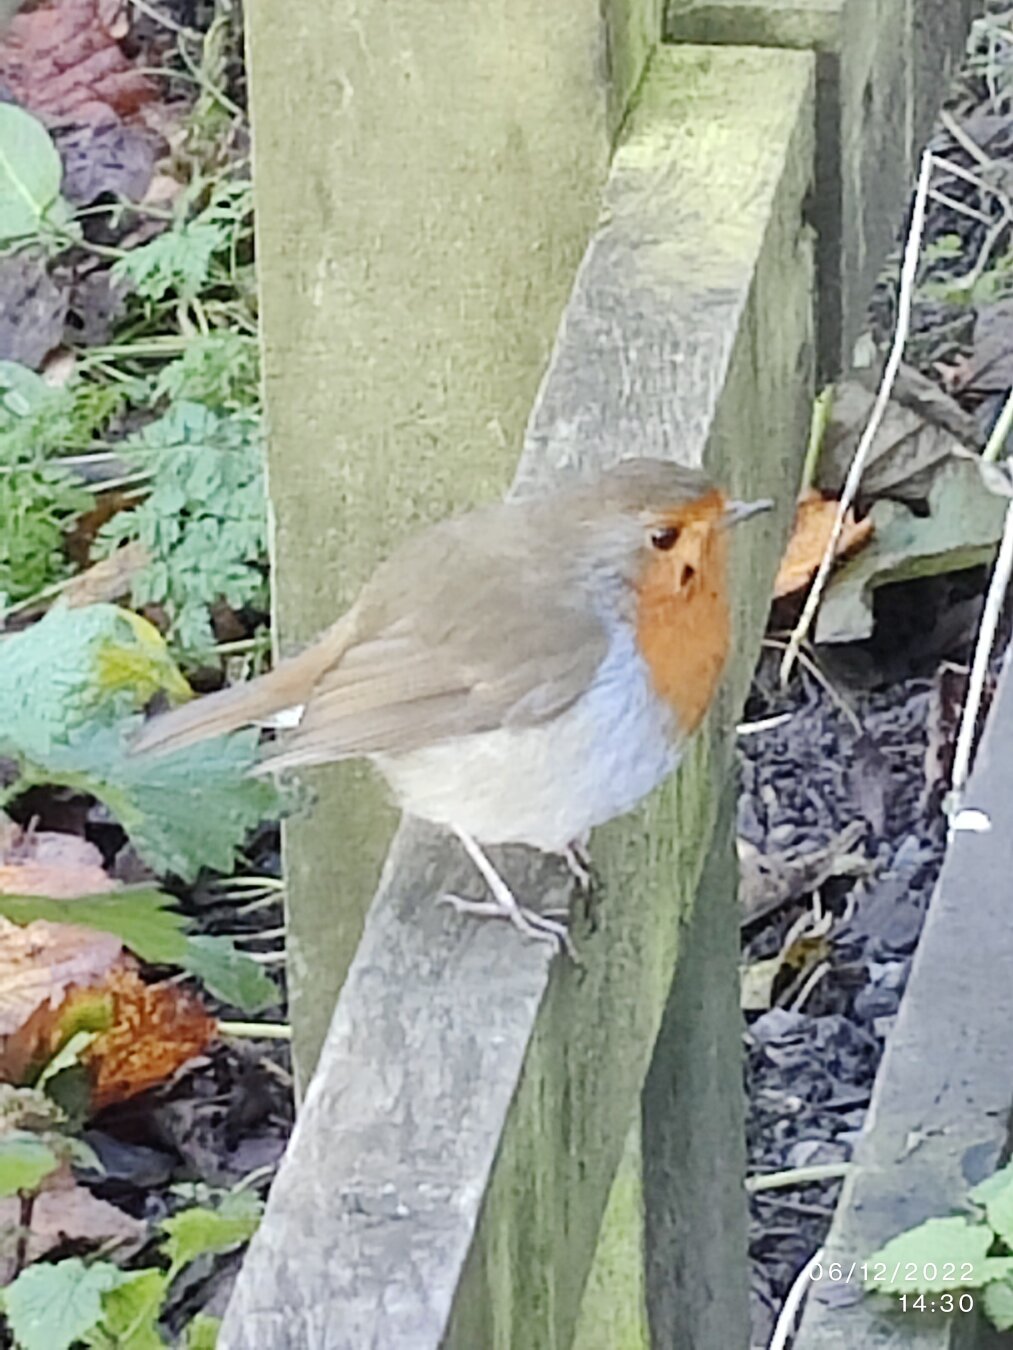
[{"x": 916, "y": 1286}]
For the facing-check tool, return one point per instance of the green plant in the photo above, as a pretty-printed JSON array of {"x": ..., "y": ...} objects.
[
  {"x": 52, "y": 1306},
  {"x": 69, "y": 689},
  {"x": 203, "y": 523},
  {"x": 962, "y": 1252},
  {"x": 30, "y": 176}
]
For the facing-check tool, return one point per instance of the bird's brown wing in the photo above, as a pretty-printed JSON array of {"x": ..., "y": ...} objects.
[{"x": 460, "y": 633}]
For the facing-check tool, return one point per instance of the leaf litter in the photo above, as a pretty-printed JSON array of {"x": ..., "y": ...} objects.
[{"x": 113, "y": 988}]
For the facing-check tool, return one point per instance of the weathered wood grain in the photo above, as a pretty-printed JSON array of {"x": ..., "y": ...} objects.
[{"x": 883, "y": 68}]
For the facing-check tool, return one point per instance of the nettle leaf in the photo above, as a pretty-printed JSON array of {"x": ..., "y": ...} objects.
[
  {"x": 200, "y": 1231},
  {"x": 231, "y": 974},
  {"x": 130, "y": 1313},
  {"x": 955, "y": 1243},
  {"x": 49, "y": 1307},
  {"x": 76, "y": 667},
  {"x": 996, "y": 1194},
  {"x": 141, "y": 916},
  {"x": 183, "y": 811},
  {"x": 30, "y": 174},
  {"x": 25, "y": 1161},
  {"x": 992, "y": 1186},
  {"x": 999, "y": 1304}
]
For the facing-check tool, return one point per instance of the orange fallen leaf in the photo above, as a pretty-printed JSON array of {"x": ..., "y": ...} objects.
[
  {"x": 814, "y": 520},
  {"x": 58, "y": 978},
  {"x": 155, "y": 1030}
]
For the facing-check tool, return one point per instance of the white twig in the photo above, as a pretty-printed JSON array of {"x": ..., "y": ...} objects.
[
  {"x": 1000, "y": 433},
  {"x": 908, "y": 275},
  {"x": 812, "y": 981},
  {"x": 979, "y": 667},
  {"x": 960, "y": 208},
  {"x": 784, "y": 1331},
  {"x": 763, "y": 724},
  {"x": 256, "y": 1031},
  {"x": 796, "y": 1176},
  {"x": 963, "y": 138}
]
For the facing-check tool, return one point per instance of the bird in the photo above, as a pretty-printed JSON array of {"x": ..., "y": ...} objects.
[{"x": 519, "y": 673}]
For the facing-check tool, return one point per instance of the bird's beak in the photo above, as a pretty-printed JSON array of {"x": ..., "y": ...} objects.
[{"x": 738, "y": 511}]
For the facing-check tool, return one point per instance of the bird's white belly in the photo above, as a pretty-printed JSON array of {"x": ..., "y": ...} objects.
[{"x": 547, "y": 785}]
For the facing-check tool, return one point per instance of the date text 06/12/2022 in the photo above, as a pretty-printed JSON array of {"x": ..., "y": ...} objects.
[{"x": 880, "y": 1274}]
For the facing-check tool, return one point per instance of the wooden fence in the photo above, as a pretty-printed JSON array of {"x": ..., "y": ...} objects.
[{"x": 498, "y": 1149}]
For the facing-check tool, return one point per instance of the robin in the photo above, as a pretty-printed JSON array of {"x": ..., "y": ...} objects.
[{"x": 518, "y": 674}]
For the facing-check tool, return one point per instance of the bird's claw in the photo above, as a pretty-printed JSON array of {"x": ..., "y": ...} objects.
[{"x": 540, "y": 927}]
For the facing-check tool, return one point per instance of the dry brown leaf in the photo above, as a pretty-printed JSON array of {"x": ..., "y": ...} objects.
[
  {"x": 107, "y": 580},
  {"x": 814, "y": 520},
  {"x": 156, "y": 1029},
  {"x": 45, "y": 862},
  {"x": 40, "y": 964},
  {"x": 62, "y": 63},
  {"x": 68, "y": 1212}
]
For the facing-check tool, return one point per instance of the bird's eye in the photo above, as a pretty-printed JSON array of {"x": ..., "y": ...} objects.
[{"x": 665, "y": 539}]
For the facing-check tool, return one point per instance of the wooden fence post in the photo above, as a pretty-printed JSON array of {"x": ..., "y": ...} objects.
[{"x": 426, "y": 180}]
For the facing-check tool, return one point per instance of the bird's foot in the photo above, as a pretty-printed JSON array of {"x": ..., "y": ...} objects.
[
  {"x": 504, "y": 905},
  {"x": 526, "y": 921}
]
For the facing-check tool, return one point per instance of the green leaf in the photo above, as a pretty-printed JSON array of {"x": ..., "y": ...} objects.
[
  {"x": 76, "y": 667},
  {"x": 177, "y": 261},
  {"x": 130, "y": 1313},
  {"x": 30, "y": 173},
  {"x": 202, "y": 1333},
  {"x": 68, "y": 1055},
  {"x": 952, "y": 1243},
  {"x": 25, "y": 1161},
  {"x": 999, "y": 1304},
  {"x": 219, "y": 370},
  {"x": 204, "y": 522},
  {"x": 199, "y": 1231},
  {"x": 999, "y": 1210},
  {"x": 49, "y": 1307},
  {"x": 139, "y": 915},
  {"x": 183, "y": 811},
  {"x": 230, "y": 974},
  {"x": 992, "y": 1186}
]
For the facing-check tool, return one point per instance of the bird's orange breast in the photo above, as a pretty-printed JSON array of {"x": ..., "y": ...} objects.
[{"x": 683, "y": 617}]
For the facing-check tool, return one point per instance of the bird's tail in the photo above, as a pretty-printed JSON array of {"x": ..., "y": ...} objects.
[{"x": 287, "y": 686}]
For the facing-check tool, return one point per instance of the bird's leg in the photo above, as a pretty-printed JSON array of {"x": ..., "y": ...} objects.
[
  {"x": 503, "y": 904},
  {"x": 577, "y": 857}
]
